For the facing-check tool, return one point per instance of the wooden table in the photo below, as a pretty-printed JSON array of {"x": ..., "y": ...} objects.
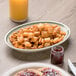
[{"x": 59, "y": 10}]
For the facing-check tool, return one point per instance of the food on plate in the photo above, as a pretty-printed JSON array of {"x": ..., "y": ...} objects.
[
  {"x": 28, "y": 72},
  {"x": 37, "y": 36},
  {"x": 38, "y": 72},
  {"x": 49, "y": 72}
]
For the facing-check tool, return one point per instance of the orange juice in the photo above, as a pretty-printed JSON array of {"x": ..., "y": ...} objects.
[{"x": 18, "y": 10}]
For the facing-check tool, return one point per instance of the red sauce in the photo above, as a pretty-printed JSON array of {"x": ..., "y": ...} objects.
[{"x": 57, "y": 55}]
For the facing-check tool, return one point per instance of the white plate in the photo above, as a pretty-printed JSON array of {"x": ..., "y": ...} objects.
[
  {"x": 63, "y": 27},
  {"x": 29, "y": 65}
]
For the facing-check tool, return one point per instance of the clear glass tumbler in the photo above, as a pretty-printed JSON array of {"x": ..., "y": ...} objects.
[{"x": 18, "y": 10}]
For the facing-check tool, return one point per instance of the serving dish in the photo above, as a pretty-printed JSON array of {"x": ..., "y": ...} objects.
[
  {"x": 64, "y": 28},
  {"x": 14, "y": 70}
]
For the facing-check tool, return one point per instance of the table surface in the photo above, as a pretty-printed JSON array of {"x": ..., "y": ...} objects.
[{"x": 39, "y": 10}]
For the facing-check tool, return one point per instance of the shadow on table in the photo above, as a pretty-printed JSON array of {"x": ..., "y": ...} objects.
[
  {"x": 35, "y": 56},
  {"x": 66, "y": 44}
]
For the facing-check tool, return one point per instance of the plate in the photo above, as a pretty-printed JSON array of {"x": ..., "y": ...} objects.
[
  {"x": 63, "y": 27},
  {"x": 12, "y": 71}
]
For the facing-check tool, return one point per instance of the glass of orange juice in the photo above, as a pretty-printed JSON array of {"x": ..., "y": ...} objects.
[{"x": 18, "y": 10}]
